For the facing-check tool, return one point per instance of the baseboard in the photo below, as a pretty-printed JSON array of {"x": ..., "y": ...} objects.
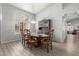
[
  {"x": 58, "y": 41},
  {"x": 7, "y": 41}
]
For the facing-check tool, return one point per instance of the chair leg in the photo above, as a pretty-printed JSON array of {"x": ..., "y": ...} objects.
[
  {"x": 47, "y": 48},
  {"x": 22, "y": 41},
  {"x": 41, "y": 46},
  {"x": 51, "y": 46},
  {"x": 28, "y": 45},
  {"x": 31, "y": 46}
]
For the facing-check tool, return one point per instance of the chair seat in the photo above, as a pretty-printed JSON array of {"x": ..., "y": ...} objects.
[
  {"x": 32, "y": 41},
  {"x": 46, "y": 42},
  {"x": 26, "y": 38}
]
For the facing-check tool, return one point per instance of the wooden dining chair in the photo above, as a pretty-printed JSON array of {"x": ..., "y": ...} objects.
[
  {"x": 26, "y": 35},
  {"x": 32, "y": 42},
  {"x": 47, "y": 41},
  {"x": 28, "y": 39},
  {"x": 22, "y": 32},
  {"x": 22, "y": 37}
]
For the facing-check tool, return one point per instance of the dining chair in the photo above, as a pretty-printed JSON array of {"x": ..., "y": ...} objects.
[
  {"x": 22, "y": 36},
  {"x": 22, "y": 32},
  {"x": 32, "y": 42},
  {"x": 28, "y": 39},
  {"x": 47, "y": 41},
  {"x": 26, "y": 35}
]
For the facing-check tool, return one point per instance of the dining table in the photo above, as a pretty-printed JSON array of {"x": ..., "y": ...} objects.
[{"x": 39, "y": 37}]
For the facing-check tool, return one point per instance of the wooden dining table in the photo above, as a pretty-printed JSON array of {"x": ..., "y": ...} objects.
[{"x": 39, "y": 37}]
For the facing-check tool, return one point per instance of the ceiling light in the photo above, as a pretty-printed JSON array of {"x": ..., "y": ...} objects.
[{"x": 33, "y": 22}]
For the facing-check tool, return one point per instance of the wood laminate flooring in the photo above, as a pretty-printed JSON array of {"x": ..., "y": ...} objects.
[{"x": 70, "y": 48}]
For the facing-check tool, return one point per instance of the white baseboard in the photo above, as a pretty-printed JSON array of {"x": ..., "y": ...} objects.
[{"x": 10, "y": 40}]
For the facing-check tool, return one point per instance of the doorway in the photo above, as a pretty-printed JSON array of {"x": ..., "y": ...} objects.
[{"x": 72, "y": 29}]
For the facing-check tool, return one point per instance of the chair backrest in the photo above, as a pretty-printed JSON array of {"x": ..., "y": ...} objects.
[
  {"x": 50, "y": 34},
  {"x": 27, "y": 33}
]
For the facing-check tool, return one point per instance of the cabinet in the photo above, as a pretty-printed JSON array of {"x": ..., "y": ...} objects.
[{"x": 44, "y": 26}]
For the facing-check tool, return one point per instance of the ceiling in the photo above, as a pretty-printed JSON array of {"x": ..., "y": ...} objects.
[
  {"x": 31, "y": 7},
  {"x": 64, "y": 5}
]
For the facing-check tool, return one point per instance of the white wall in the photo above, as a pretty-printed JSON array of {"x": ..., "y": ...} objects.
[
  {"x": 55, "y": 13},
  {"x": 0, "y": 20},
  {"x": 10, "y": 16}
]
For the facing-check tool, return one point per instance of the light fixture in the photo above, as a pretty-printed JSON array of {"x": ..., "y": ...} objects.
[
  {"x": 33, "y": 22},
  {"x": 69, "y": 23}
]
